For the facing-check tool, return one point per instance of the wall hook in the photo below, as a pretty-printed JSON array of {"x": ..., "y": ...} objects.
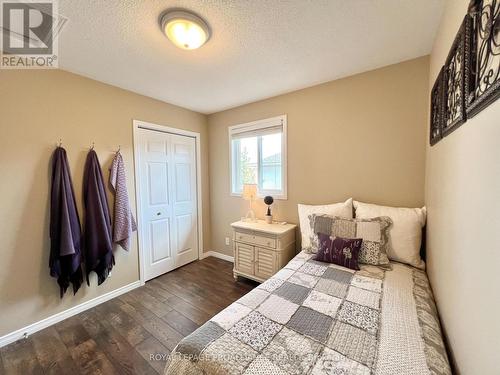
[
  {"x": 92, "y": 146},
  {"x": 59, "y": 144}
]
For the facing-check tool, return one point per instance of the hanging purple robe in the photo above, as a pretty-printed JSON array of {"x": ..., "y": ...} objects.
[
  {"x": 65, "y": 232},
  {"x": 97, "y": 240}
]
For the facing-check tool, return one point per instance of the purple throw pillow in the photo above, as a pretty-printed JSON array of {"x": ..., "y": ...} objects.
[{"x": 341, "y": 251}]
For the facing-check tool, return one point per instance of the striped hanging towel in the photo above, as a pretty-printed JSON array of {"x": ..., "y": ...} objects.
[{"x": 124, "y": 223}]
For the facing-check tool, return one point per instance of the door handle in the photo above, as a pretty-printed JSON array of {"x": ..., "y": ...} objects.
[{"x": 158, "y": 213}]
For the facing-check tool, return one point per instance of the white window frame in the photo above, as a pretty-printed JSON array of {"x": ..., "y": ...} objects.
[{"x": 256, "y": 125}]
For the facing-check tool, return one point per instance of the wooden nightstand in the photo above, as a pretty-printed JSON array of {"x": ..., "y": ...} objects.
[{"x": 260, "y": 249}]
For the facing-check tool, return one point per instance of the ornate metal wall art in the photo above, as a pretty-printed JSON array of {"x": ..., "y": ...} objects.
[
  {"x": 454, "y": 80},
  {"x": 437, "y": 105},
  {"x": 483, "y": 75}
]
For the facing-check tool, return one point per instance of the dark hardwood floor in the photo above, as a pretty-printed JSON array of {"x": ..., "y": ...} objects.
[{"x": 133, "y": 333}]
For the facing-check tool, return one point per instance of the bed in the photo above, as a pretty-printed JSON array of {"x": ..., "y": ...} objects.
[{"x": 318, "y": 318}]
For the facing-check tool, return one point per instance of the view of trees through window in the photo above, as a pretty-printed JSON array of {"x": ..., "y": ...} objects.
[
  {"x": 248, "y": 161},
  {"x": 258, "y": 161}
]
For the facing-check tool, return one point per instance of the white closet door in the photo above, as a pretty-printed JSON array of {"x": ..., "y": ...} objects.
[
  {"x": 168, "y": 223},
  {"x": 184, "y": 199}
]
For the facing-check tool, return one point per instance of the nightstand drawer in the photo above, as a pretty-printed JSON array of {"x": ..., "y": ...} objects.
[{"x": 256, "y": 239}]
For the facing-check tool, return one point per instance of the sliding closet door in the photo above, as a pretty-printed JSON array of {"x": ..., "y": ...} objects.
[{"x": 168, "y": 222}]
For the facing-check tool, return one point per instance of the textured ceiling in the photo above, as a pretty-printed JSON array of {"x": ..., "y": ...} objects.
[{"x": 258, "y": 49}]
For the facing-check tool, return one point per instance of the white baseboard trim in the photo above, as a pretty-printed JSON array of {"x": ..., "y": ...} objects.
[
  {"x": 44, "y": 323},
  {"x": 216, "y": 254}
]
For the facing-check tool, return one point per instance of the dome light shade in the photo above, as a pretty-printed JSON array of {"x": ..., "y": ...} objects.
[{"x": 185, "y": 29}]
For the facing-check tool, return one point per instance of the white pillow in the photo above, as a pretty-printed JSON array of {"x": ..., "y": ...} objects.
[
  {"x": 405, "y": 236},
  {"x": 336, "y": 209}
]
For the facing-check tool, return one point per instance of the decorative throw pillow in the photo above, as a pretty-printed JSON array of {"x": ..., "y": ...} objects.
[
  {"x": 336, "y": 209},
  {"x": 374, "y": 233},
  {"x": 405, "y": 236},
  {"x": 338, "y": 250}
]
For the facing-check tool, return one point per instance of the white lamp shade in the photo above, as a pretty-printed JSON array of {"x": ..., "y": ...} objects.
[{"x": 249, "y": 191}]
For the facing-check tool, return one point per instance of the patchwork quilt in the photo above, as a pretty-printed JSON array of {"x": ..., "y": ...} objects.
[{"x": 317, "y": 318}]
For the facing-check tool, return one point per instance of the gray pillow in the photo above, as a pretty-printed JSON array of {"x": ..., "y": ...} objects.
[{"x": 374, "y": 233}]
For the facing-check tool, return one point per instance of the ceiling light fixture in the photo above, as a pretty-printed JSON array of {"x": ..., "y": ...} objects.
[{"x": 184, "y": 28}]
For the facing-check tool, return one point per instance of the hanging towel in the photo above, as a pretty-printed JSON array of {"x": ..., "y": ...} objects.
[
  {"x": 65, "y": 233},
  {"x": 124, "y": 223},
  {"x": 97, "y": 242}
]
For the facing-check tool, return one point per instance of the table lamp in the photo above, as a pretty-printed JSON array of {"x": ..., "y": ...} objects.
[{"x": 249, "y": 194}]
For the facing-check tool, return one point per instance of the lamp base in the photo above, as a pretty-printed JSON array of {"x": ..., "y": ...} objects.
[{"x": 250, "y": 218}]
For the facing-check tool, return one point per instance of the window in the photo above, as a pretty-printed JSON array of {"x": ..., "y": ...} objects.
[{"x": 258, "y": 156}]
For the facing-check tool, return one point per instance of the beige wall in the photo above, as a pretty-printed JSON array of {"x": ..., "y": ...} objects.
[
  {"x": 37, "y": 108},
  {"x": 463, "y": 205},
  {"x": 363, "y": 136}
]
